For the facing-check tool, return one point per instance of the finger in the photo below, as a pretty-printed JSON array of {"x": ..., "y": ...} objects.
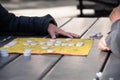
[
  {"x": 107, "y": 48},
  {"x": 67, "y": 34},
  {"x": 52, "y": 34},
  {"x": 101, "y": 46},
  {"x": 103, "y": 42},
  {"x": 74, "y": 35},
  {"x": 61, "y": 32}
]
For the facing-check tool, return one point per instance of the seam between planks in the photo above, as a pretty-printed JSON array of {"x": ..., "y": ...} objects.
[{"x": 53, "y": 65}]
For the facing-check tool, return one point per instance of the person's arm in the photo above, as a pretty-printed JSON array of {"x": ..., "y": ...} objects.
[
  {"x": 115, "y": 19},
  {"x": 38, "y": 25},
  {"x": 12, "y": 23}
]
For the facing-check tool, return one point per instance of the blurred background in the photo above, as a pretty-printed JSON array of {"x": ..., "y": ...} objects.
[{"x": 61, "y": 8}]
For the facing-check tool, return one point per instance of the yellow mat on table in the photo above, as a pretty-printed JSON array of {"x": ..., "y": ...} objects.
[{"x": 19, "y": 45}]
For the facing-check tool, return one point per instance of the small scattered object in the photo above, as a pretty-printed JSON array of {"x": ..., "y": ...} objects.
[
  {"x": 50, "y": 43},
  {"x": 64, "y": 44},
  {"x": 68, "y": 39},
  {"x": 42, "y": 43},
  {"x": 92, "y": 35},
  {"x": 79, "y": 44},
  {"x": 50, "y": 50},
  {"x": 26, "y": 44},
  {"x": 11, "y": 43},
  {"x": 29, "y": 41},
  {"x": 99, "y": 35},
  {"x": 99, "y": 74},
  {"x": 9, "y": 37},
  {"x": 33, "y": 43},
  {"x": 4, "y": 53},
  {"x": 52, "y": 40},
  {"x": 57, "y": 44},
  {"x": 6, "y": 46},
  {"x": 96, "y": 36},
  {"x": 6, "y": 39},
  {"x": 71, "y": 44},
  {"x": 27, "y": 52},
  {"x": 44, "y": 47}
]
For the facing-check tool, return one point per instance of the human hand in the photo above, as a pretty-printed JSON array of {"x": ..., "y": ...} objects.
[
  {"x": 115, "y": 14},
  {"x": 54, "y": 31},
  {"x": 102, "y": 44}
]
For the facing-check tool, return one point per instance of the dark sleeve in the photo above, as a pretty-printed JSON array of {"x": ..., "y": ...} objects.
[
  {"x": 115, "y": 25},
  {"x": 113, "y": 39},
  {"x": 12, "y": 24}
]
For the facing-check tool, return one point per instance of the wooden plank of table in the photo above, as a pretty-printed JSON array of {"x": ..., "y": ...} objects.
[
  {"x": 31, "y": 68},
  {"x": 96, "y": 57},
  {"x": 112, "y": 69},
  {"x": 62, "y": 21},
  {"x": 79, "y": 25},
  {"x": 79, "y": 67},
  {"x": 5, "y": 61}
]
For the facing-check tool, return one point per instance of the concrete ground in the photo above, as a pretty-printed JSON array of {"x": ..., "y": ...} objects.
[{"x": 57, "y": 8}]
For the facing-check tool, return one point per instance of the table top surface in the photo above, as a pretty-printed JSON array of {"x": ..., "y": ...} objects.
[{"x": 60, "y": 67}]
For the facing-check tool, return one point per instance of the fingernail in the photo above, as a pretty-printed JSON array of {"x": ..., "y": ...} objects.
[{"x": 53, "y": 37}]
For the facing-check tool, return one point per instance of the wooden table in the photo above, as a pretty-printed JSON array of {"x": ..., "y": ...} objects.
[{"x": 60, "y": 67}]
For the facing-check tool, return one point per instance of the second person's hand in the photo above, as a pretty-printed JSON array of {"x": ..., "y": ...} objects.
[{"x": 102, "y": 44}]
